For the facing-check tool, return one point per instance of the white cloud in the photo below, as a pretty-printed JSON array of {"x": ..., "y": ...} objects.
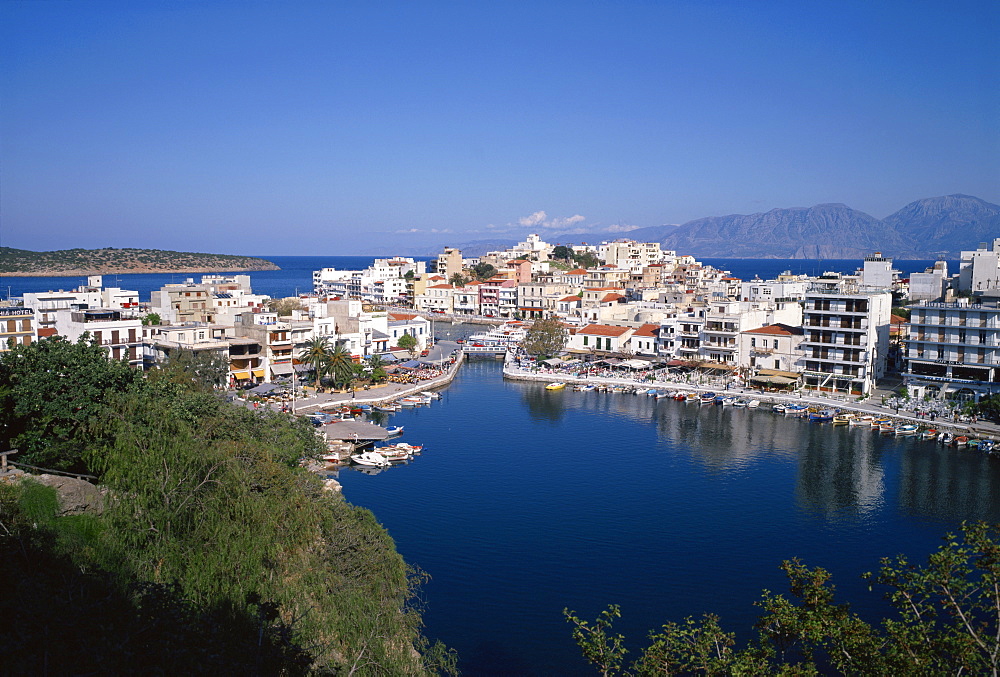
[
  {"x": 620, "y": 228},
  {"x": 440, "y": 230},
  {"x": 538, "y": 218},
  {"x": 408, "y": 230}
]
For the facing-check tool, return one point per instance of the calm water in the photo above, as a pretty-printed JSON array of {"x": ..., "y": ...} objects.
[
  {"x": 295, "y": 276},
  {"x": 527, "y": 501}
]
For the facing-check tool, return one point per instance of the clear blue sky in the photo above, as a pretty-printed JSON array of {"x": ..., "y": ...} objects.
[{"x": 333, "y": 128}]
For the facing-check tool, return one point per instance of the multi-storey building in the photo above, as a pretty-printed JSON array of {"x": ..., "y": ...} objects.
[
  {"x": 953, "y": 349},
  {"x": 91, "y": 295},
  {"x": 630, "y": 254},
  {"x": 17, "y": 327},
  {"x": 119, "y": 335},
  {"x": 773, "y": 348},
  {"x": 244, "y": 356},
  {"x": 846, "y": 340}
]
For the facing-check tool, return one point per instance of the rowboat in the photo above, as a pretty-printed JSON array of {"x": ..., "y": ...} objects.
[
  {"x": 908, "y": 429},
  {"x": 555, "y": 386},
  {"x": 960, "y": 441},
  {"x": 842, "y": 419},
  {"x": 861, "y": 420},
  {"x": 753, "y": 404},
  {"x": 929, "y": 434}
]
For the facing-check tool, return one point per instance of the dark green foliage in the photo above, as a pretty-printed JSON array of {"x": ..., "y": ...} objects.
[
  {"x": 201, "y": 370},
  {"x": 483, "y": 271},
  {"x": 151, "y": 319},
  {"x": 562, "y": 252},
  {"x": 215, "y": 551},
  {"x": 587, "y": 260},
  {"x": 51, "y": 391},
  {"x": 947, "y": 621},
  {"x": 408, "y": 342}
]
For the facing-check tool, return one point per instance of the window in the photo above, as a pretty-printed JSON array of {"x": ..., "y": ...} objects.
[
  {"x": 777, "y": 364},
  {"x": 584, "y": 340},
  {"x": 775, "y": 344},
  {"x": 753, "y": 342}
]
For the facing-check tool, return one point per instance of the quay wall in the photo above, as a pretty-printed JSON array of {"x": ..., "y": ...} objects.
[{"x": 515, "y": 373}]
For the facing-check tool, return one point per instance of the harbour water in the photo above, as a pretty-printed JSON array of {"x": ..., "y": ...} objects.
[{"x": 526, "y": 501}]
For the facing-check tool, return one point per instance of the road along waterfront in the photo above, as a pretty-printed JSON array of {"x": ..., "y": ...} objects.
[{"x": 526, "y": 501}]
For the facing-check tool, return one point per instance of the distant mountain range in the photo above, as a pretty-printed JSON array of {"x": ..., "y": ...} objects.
[{"x": 926, "y": 229}]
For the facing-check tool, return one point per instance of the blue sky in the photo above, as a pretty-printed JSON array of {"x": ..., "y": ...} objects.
[{"x": 289, "y": 128}]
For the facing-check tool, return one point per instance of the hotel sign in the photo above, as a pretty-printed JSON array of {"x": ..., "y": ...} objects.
[{"x": 16, "y": 311}]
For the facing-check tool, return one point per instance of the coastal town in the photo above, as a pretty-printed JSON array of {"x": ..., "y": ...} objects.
[{"x": 629, "y": 312}]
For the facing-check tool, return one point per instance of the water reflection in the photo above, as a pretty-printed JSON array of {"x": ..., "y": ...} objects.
[
  {"x": 840, "y": 470},
  {"x": 949, "y": 484}
]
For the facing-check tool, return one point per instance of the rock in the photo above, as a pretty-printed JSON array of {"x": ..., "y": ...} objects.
[
  {"x": 332, "y": 485},
  {"x": 75, "y": 496}
]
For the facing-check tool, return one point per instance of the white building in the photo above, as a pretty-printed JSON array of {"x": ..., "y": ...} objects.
[{"x": 120, "y": 336}]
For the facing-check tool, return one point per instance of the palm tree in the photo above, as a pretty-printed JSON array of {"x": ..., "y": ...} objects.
[
  {"x": 340, "y": 365},
  {"x": 376, "y": 366},
  {"x": 316, "y": 352}
]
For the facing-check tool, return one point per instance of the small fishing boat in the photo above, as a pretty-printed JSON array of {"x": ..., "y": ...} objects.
[
  {"x": 579, "y": 388},
  {"x": 681, "y": 397},
  {"x": 395, "y": 431},
  {"x": 796, "y": 409},
  {"x": 662, "y": 395},
  {"x": 986, "y": 445},
  {"x": 929, "y": 434},
  {"x": 707, "y": 398},
  {"x": 822, "y": 415},
  {"x": 431, "y": 394},
  {"x": 729, "y": 401},
  {"x": 974, "y": 443},
  {"x": 640, "y": 391},
  {"x": 388, "y": 408},
  {"x": 888, "y": 427},
  {"x": 842, "y": 419},
  {"x": 740, "y": 402},
  {"x": 555, "y": 386},
  {"x": 960, "y": 441},
  {"x": 946, "y": 438},
  {"x": 393, "y": 453},
  {"x": 720, "y": 399},
  {"x": 371, "y": 459},
  {"x": 907, "y": 429},
  {"x": 877, "y": 423},
  {"x": 753, "y": 404},
  {"x": 861, "y": 420},
  {"x": 411, "y": 448},
  {"x": 779, "y": 407}
]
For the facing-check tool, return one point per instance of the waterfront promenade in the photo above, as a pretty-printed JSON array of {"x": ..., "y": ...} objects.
[{"x": 662, "y": 379}]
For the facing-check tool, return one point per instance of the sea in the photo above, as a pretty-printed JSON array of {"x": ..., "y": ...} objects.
[
  {"x": 295, "y": 276},
  {"x": 526, "y": 502}
]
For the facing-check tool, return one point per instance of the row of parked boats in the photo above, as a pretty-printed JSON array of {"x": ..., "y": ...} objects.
[
  {"x": 881, "y": 424},
  {"x": 383, "y": 457}
]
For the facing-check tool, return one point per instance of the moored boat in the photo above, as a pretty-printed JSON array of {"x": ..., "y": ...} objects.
[
  {"x": 370, "y": 458},
  {"x": 822, "y": 415},
  {"x": 907, "y": 429},
  {"x": 946, "y": 438},
  {"x": 395, "y": 431},
  {"x": 929, "y": 434},
  {"x": 960, "y": 441},
  {"x": 753, "y": 404},
  {"x": 707, "y": 398},
  {"x": 740, "y": 402},
  {"x": 691, "y": 397},
  {"x": 779, "y": 407},
  {"x": 555, "y": 386},
  {"x": 861, "y": 420},
  {"x": 842, "y": 419}
]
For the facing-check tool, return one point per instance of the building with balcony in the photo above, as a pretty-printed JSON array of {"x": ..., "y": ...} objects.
[
  {"x": 846, "y": 341},
  {"x": 17, "y": 327},
  {"x": 774, "y": 347},
  {"x": 952, "y": 350},
  {"x": 120, "y": 336}
]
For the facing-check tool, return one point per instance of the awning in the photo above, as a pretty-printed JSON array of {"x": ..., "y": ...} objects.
[
  {"x": 774, "y": 380},
  {"x": 301, "y": 368},
  {"x": 552, "y": 362},
  {"x": 259, "y": 373},
  {"x": 281, "y": 369},
  {"x": 412, "y": 364},
  {"x": 241, "y": 375},
  {"x": 265, "y": 388},
  {"x": 635, "y": 364},
  {"x": 776, "y": 372}
]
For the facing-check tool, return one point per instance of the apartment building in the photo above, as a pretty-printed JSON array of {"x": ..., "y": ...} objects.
[
  {"x": 121, "y": 336},
  {"x": 953, "y": 350},
  {"x": 774, "y": 348},
  {"x": 846, "y": 341}
]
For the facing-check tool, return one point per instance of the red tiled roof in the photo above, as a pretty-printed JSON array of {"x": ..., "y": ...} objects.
[
  {"x": 647, "y": 330},
  {"x": 47, "y": 332},
  {"x": 402, "y": 316},
  {"x": 776, "y": 330},
  {"x": 569, "y": 298},
  {"x": 442, "y": 286},
  {"x": 896, "y": 319},
  {"x": 604, "y": 330},
  {"x": 577, "y": 271},
  {"x": 608, "y": 298}
]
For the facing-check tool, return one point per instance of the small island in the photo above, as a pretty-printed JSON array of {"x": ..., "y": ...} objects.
[{"x": 111, "y": 260}]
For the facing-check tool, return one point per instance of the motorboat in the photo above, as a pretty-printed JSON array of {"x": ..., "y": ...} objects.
[
  {"x": 753, "y": 404},
  {"x": 393, "y": 453},
  {"x": 640, "y": 391},
  {"x": 877, "y": 423},
  {"x": 822, "y": 415},
  {"x": 388, "y": 408},
  {"x": 555, "y": 386},
  {"x": 730, "y": 401},
  {"x": 411, "y": 448},
  {"x": 960, "y": 441},
  {"x": 779, "y": 407},
  {"x": 707, "y": 398},
  {"x": 929, "y": 434},
  {"x": 740, "y": 402},
  {"x": 946, "y": 438},
  {"x": 842, "y": 419},
  {"x": 372, "y": 459},
  {"x": 662, "y": 395},
  {"x": 395, "y": 431},
  {"x": 861, "y": 420},
  {"x": 720, "y": 398},
  {"x": 679, "y": 396},
  {"x": 907, "y": 429},
  {"x": 431, "y": 394}
]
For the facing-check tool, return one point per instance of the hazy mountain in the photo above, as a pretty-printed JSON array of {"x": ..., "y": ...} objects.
[
  {"x": 925, "y": 229},
  {"x": 947, "y": 224}
]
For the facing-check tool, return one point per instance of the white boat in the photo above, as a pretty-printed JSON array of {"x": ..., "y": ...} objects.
[
  {"x": 662, "y": 394},
  {"x": 394, "y": 452},
  {"x": 395, "y": 431},
  {"x": 753, "y": 404},
  {"x": 861, "y": 420},
  {"x": 728, "y": 401},
  {"x": 741, "y": 402},
  {"x": 371, "y": 459},
  {"x": 779, "y": 407},
  {"x": 431, "y": 394},
  {"x": 909, "y": 429}
]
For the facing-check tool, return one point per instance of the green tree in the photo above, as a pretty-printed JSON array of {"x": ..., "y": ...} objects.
[
  {"x": 316, "y": 353},
  {"x": 376, "y": 367},
  {"x": 408, "y": 342},
  {"x": 458, "y": 280},
  {"x": 483, "y": 271},
  {"x": 340, "y": 366},
  {"x": 51, "y": 391},
  {"x": 587, "y": 260},
  {"x": 284, "y": 307},
  {"x": 545, "y": 338},
  {"x": 201, "y": 369},
  {"x": 151, "y": 319},
  {"x": 562, "y": 252},
  {"x": 947, "y": 621}
]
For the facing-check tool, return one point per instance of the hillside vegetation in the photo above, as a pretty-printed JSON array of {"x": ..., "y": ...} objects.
[
  {"x": 22, "y": 262},
  {"x": 215, "y": 552}
]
